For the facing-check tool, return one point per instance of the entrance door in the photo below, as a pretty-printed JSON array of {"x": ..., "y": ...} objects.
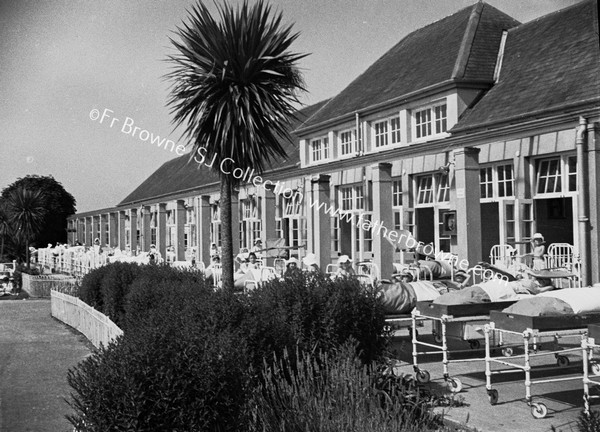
[{"x": 490, "y": 233}]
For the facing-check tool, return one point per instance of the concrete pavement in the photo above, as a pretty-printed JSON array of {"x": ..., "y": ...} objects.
[{"x": 36, "y": 352}]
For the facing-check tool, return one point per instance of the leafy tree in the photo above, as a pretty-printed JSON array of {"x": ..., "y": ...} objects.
[
  {"x": 234, "y": 85},
  {"x": 26, "y": 213},
  {"x": 59, "y": 205},
  {"x": 5, "y": 230}
]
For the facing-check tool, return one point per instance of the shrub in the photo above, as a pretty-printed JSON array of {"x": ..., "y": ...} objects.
[
  {"x": 91, "y": 287},
  {"x": 18, "y": 275},
  {"x": 336, "y": 392},
  {"x": 312, "y": 313},
  {"x": 589, "y": 422},
  {"x": 168, "y": 372}
]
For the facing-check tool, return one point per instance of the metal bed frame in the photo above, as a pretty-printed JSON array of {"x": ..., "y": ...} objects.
[
  {"x": 465, "y": 322},
  {"x": 533, "y": 329},
  {"x": 588, "y": 345}
]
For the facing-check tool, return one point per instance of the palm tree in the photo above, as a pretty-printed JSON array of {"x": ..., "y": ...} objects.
[
  {"x": 25, "y": 215},
  {"x": 4, "y": 225},
  {"x": 235, "y": 84}
]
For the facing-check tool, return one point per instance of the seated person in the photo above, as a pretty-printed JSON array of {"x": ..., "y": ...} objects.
[
  {"x": 344, "y": 267},
  {"x": 292, "y": 269},
  {"x": 310, "y": 261},
  {"x": 242, "y": 257}
]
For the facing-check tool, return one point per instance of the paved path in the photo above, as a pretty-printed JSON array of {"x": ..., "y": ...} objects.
[{"x": 35, "y": 353}]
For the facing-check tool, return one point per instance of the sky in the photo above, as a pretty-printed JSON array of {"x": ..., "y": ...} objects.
[{"x": 69, "y": 69}]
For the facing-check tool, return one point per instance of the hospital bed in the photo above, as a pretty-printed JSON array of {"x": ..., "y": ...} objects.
[{"x": 532, "y": 327}]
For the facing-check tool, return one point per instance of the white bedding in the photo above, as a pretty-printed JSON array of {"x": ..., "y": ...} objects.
[
  {"x": 425, "y": 291},
  {"x": 581, "y": 300}
]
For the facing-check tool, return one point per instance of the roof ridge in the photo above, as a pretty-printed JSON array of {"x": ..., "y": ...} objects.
[
  {"x": 548, "y": 15},
  {"x": 466, "y": 44}
]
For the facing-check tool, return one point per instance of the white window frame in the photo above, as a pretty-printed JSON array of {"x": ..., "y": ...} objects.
[
  {"x": 494, "y": 181},
  {"x": 386, "y": 132},
  {"x": 563, "y": 176},
  {"x": 347, "y": 148},
  {"x": 429, "y": 121},
  {"x": 320, "y": 150}
]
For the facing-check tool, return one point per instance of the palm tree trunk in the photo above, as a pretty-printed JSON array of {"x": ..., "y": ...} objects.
[{"x": 226, "y": 232}]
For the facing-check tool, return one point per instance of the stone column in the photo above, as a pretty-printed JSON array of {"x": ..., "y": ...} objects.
[
  {"x": 268, "y": 220},
  {"x": 161, "y": 230},
  {"x": 203, "y": 230},
  {"x": 383, "y": 218},
  {"x": 180, "y": 230},
  {"x": 468, "y": 209},
  {"x": 113, "y": 229},
  {"x": 133, "y": 230},
  {"x": 321, "y": 221},
  {"x": 146, "y": 229},
  {"x": 122, "y": 238}
]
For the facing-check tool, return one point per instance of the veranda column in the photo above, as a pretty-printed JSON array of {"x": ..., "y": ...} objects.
[
  {"x": 103, "y": 218},
  {"x": 268, "y": 219},
  {"x": 122, "y": 237},
  {"x": 133, "y": 230},
  {"x": 161, "y": 230},
  {"x": 468, "y": 209},
  {"x": 95, "y": 223},
  {"x": 146, "y": 229},
  {"x": 321, "y": 221},
  {"x": 89, "y": 240},
  {"x": 180, "y": 230},
  {"x": 113, "y": 236},
  {"x": 383, "y": 218},
  {"x": 203, "y": 230}
]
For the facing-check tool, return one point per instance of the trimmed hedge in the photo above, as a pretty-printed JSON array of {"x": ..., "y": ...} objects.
[{"x": 191, "y": 356}]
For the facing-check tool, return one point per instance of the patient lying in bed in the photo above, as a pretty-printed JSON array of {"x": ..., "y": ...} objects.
[
  {"x": 567, "y": 301},
  {"x": 496, "y": 290}
]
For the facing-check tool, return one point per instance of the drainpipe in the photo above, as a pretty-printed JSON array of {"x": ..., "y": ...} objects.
[
  {"x": 582, "y": 200},
  {"x": 359, "y": 148}
]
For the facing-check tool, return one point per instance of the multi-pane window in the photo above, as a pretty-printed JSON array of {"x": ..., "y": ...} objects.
[
  {"x": 496, "y": 182},
  {"x": 320, "y": 149},
  {"x": 335, "y": 234},
  {"x": 432, "y": 189},
  {"x": 346, "y": 198},
  {"x": 347, "y": 142},
  {"x": 440, "y": 119},
  {"x": 425, "y": 190},
  {"x": 430, "y": 121},
  {"x": 395, "y": 130},
  {"x": 556, "y": 175},
  {"x": 381, "y": 134},
  {"x": 250, "y": 223},
  {"x": 397, "y": 193},
  {"x": 572, "y": 173},
  {"x": 215, "y": 226},
  {"x": 386, "y": 132},
  {"x": 548, "y": 176},
  {"x": 359, "y": 198},
  {"x": 505, "y": 181},
  {"x": 486, "y": 181},
  {"x": 443, "y": 188}
]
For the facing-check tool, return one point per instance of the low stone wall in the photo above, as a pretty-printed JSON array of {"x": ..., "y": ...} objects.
[{"x": 40, "y": 286}]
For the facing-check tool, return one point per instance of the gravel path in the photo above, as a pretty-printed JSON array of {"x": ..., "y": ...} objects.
[{"x": 35, "y": 353}]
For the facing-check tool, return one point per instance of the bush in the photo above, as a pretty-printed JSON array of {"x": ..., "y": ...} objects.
[
  {"x": 313, "y": 313},
  {"x": 91, "y": 287},
  {"x": 336, "y": 392},
  {"x": 167, "y": 372}
]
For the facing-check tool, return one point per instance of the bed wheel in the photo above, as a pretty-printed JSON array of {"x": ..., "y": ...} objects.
[
  {"x": 493, "y": 396},
  {"x": 423, "y": 376},
  {"x": 539, "y": 410},
  {"x": 437, "y": 337},
  {"x": 562, "y": 361},
  {"x": 595, "y": 368},
  {"x": 454, "y": 385},
  {"x": 507, "y": 352},
  {"x": 474, "y": 344}
]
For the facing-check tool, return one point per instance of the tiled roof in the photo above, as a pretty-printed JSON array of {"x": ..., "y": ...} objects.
[
  {"x": 181, "y": 174},
  {"x": 549, "y": 63},
  {"x": 462, "y": 46}
]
